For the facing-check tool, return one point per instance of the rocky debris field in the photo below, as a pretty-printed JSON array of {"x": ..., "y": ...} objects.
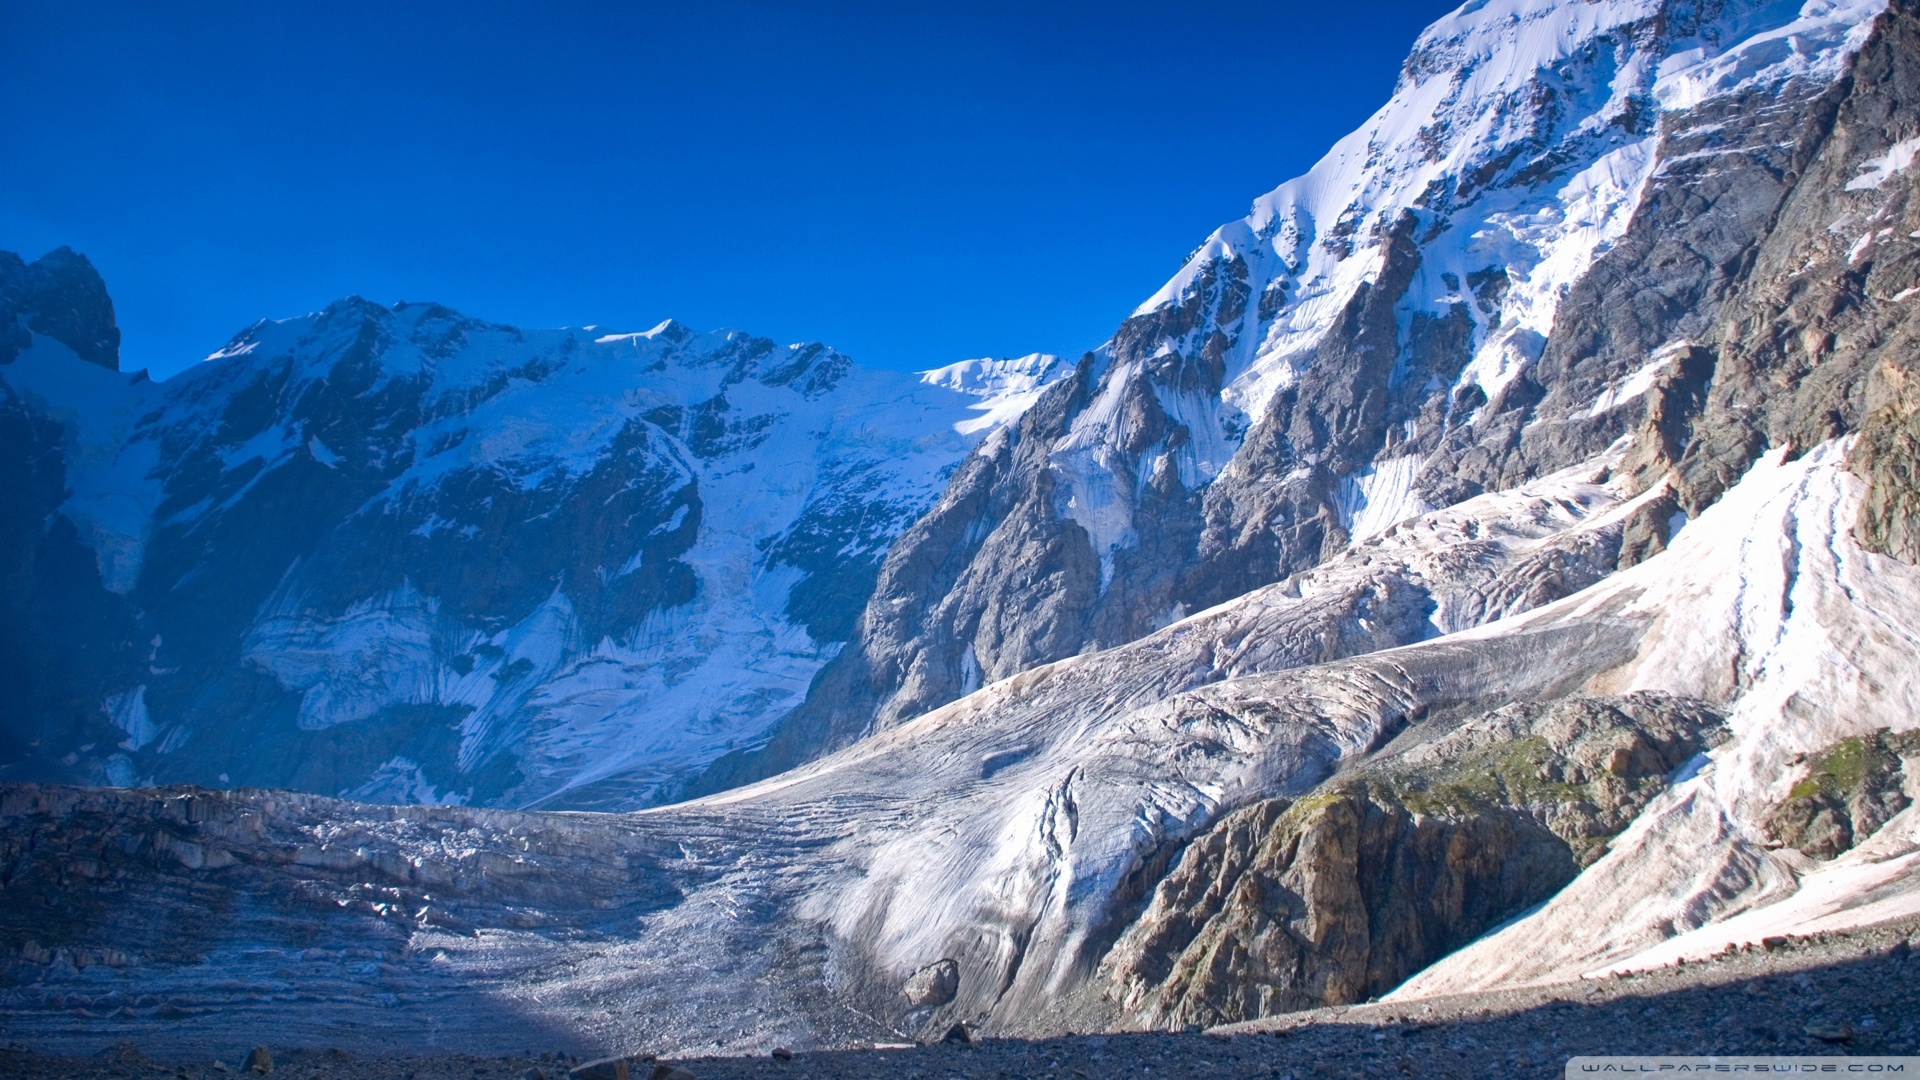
[{"x": 1844, "y": 993}]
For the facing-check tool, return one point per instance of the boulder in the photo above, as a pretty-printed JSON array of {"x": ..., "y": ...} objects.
[{"x": 935, "y": 984}]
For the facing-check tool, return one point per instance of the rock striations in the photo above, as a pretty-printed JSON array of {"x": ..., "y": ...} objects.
[{"x": 1491, "y": 562}]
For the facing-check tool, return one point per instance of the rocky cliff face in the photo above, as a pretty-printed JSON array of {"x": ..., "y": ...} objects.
[
  {"x": 404, "y": 554},
  {"x": 61, "y": 296},
  {"x": 1340, "y": 895},
  {"x": 1538, "y": 248}
]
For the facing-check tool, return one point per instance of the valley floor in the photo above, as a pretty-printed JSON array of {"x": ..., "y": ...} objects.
[{"x": 1853, "y": 993}]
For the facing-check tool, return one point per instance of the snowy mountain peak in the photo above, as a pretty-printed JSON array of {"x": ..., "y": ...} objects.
[
  {"x": 1452, "y": 301},
  {"x": 502, "y": 564},
  {"x": 61, "y": 296},
  {"x": 1518, "y": 138},
  {"x": 1006, "y": 387}
]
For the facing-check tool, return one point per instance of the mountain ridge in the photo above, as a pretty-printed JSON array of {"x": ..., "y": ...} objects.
[
  {"x": 1541, "y": 623},
  {"x": 1498, "y": 276},
  {"x": 442, "y": 539}
]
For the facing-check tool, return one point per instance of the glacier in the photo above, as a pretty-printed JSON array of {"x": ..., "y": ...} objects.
[{"x": 1527, "y": 490}]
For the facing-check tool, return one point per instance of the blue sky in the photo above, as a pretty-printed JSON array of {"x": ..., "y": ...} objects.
[{"x": 912, "y": 182}]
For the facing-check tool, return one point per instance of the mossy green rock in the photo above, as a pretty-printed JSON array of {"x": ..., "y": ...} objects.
[
  {"x": 1849, "y": 791},
  {"x": 1344, "y": 892}
]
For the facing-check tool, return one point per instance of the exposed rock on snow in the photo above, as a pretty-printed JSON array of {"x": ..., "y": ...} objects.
[
  {"x": 1849, "y": 791},
  {"x": 933, "y": 985},
  {"x": 1338, "y": 896},
  {"x": 1512, "y": 266},
  {"x": 1020, "y": 830}
]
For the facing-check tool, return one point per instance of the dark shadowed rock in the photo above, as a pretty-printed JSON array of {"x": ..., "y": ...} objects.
[{"x": 61, "y": 296}]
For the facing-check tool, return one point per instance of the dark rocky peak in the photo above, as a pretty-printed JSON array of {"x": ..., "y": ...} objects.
[
  {"x": 672, "y": 331},
  {"x": 438, "y": 331},
  {"x": 1183, "y": 345},
  {"x": 811, "y": 368},
  {"x": 353, "y": 316},
  {"x": 59, "y": 295}
]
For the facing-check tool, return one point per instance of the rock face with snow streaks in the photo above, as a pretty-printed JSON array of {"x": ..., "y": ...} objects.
[
  {"x": 1491, "y": 561},
  {"x": 1521, "y": 259},
  {"x": 408, "y": 555}
]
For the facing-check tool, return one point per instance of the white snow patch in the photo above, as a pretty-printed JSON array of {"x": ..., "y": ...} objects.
[
  {"x": 379, "y": 652},
  {"x": 969, "y": 671},
  {"x": 1006, "y": 388},
  {"x": 1878, "y": 170},
  {"x": 1379, "y": 496},
  {"x": 321, "y": 453},
  {"x": 1876, "y": 881},
  {"x": 1859, "y": 248},
  {"x": 402, "y": 780},
  {"x": 1635, "y": 384},
  {"x": 111, "y": 496},
  {"x": 1097, "y": 482}
]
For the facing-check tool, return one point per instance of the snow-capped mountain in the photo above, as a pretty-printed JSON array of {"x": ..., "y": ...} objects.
[
  {"x": 1492, "y": 561},
  {"x": 1514, "y": 263},
  {"x": 404, "y": 555}
]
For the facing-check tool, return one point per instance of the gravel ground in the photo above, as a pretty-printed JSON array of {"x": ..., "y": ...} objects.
[{"x": 1851, "y": 993}]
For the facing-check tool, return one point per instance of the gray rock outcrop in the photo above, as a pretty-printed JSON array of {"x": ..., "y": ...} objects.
[
  {"x": 1734, "y": 311},
  {"x": 933, "y": 985},
  {"x": 1337, "y": 896}
]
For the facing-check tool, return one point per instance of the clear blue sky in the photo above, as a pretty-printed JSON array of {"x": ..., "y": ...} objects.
[{"x": 911, "y": 182}]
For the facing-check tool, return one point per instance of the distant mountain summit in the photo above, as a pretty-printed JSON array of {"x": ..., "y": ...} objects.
[
  {"x": 406, "y": 555},
  {"x": 61, "y": 296}
]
